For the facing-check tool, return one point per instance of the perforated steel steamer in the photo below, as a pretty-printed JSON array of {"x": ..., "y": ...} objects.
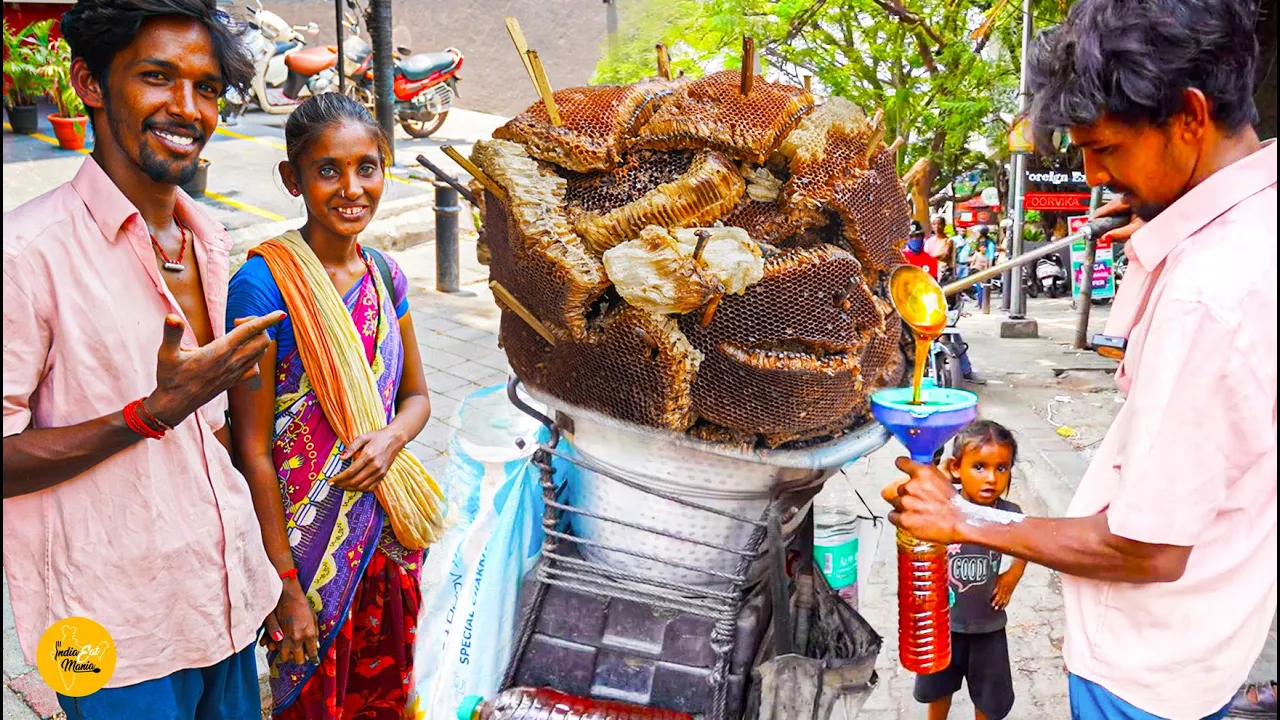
[{"x": 739, "y": 483}]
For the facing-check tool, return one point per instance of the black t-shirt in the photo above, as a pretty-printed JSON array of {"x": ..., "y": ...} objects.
[{"x": 973, "y": 570}]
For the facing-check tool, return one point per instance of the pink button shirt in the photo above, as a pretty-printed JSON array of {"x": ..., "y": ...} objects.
[
  {"x": 1191, "y": 458},
  {"x": 159, "y": 543}
]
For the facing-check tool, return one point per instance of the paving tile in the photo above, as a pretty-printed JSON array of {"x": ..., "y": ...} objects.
[
  {"x": 15, "y": 708},
  {"x": 468, "y": 333},
  {"x": 434, "y": 323},
  {"x": 436, "y": 359},
  {"x": 14, "y": 663},
  {"x": 36, "y": 694},
  {"x": 444, "y": 382},
  {"x": 472, "y": 371}
]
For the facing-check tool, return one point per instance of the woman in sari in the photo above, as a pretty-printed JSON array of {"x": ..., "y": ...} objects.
[{"x": 341, "y": 638}]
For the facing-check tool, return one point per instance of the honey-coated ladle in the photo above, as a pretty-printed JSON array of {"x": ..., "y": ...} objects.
[{"x": 920, "y": 303}]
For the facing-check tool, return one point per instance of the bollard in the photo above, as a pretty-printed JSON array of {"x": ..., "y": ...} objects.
[{"x": 447, "y": 209}]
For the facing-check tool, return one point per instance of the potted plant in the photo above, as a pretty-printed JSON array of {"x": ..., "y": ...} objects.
[
  {"x": 26, "y": 57},
  {"x": 69, "y": 122}
]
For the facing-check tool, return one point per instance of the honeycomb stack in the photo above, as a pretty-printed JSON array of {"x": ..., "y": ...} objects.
[{"x": 700, "y": 260}]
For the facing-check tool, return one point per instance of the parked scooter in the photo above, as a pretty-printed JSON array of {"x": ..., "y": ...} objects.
[
  {"x": 271, "y": 42},
  {"x": 1050, "y": 278},
  {"x": 425, "y": 84}
]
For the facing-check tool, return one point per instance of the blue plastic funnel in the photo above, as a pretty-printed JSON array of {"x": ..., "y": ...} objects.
[{"x": 925, "y": 427}]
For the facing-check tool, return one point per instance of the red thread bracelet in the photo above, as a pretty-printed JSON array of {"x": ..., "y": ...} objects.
[
  {"x": 152, "y": 420},
  {"x": 290, "y": 573},
  {"x": 137, "y": 424}
]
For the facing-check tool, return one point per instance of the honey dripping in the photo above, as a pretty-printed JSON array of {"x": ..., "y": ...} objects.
[{"x": 548, "y": 704}]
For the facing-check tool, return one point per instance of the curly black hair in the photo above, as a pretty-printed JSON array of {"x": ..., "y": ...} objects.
[
  {"x": 97, "y": 30},
  {"x": 1134, "y": 58}
]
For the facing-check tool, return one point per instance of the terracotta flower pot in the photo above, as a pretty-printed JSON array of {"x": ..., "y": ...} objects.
[
  {"x": 69, "y": 131},
  {"x": 22, "y": 118}
]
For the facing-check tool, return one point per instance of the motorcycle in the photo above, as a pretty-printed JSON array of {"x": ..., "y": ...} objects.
[
  {"x": 425, "y": 84},
  {"x": 1050, "y": 277},
  {"x": 272, "y": 42}
]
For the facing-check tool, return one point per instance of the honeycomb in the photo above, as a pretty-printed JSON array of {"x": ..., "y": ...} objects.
[
  {"x": 595, "y": 123},
  {"x": 632, "y": 364},
  {"x": 876, "y": 214},
  {"x": 537, "y": 257},
  {"x": 766, "y": 222},
  {"x": 776, "y": 333},
  {"x": 789, "y": 339},
  {"x": 639, "y": 173},
  {"x": 827, "y": 148},
  {"x": 838, "y": 160},
  {"x": 708, "y": 190},
  {"x": 712, "y": 113}
]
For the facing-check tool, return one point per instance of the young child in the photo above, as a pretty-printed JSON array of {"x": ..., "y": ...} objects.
[{"x": 982, "y": 462}]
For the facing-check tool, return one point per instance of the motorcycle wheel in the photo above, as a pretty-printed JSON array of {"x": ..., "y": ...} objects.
[
  {"x": 420, "y": 129},
  {"x": 1033, "y": 289},
  {"x": 944, "y": 366}
]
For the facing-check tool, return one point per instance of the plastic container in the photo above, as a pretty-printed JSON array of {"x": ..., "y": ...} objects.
[
  {"x": 835, "y": 549},
  {"x": 545, "y": 704},
  {"x": 924, "y": 606}
]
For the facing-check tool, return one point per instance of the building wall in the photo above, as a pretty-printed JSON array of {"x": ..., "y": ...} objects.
[
  {"x": 22, "y": 14},
  {"x": 568, "y": 35}
]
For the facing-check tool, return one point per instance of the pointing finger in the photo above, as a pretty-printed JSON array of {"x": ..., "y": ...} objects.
[{"x": 248, "y": 328}]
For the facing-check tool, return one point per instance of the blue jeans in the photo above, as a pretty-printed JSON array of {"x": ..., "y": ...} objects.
[
  {"x": 226, "y": 691},
  {"x": 1091, "y": 701}
]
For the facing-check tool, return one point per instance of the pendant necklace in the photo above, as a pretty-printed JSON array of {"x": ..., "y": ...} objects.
[{"x": 173, "y": 265}]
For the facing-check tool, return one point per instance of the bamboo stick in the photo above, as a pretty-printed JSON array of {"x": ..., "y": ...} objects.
[
  {"x": 544, "y": 88},
  {"x": 522, "y": 47},
  {"x": 748, "y": 64},
  {"x": 808, "y": 84},
  {"x": 893, "y": 147},
  {"x": 506, "y": 298},
  {"x": 475, "y": 172},
  {"x": 664, "y": 62}
]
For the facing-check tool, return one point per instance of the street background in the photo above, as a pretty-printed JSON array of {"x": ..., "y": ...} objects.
[{"x": 1057, "y": 400}]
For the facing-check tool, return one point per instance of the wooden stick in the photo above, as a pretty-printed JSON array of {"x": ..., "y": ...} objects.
[
  {"x": 506, "y": 298},
  {"x": 877, "y": 118},
  {"x": 664, "y": 62},
  {"x": 544, "y": 88},
  {"x": 748, "y": 64},
  {"x": 893, "y": 147},
  {"x": 475, "y": 172},
  {"x": 522, "y": 47},
  {"x": 808, "y": 84}
]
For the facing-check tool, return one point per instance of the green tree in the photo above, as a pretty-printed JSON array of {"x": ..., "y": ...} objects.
[{"x": 944, "y": 71}]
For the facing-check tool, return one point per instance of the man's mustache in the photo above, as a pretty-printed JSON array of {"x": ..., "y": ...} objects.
[{"x": 190, "y": 131}]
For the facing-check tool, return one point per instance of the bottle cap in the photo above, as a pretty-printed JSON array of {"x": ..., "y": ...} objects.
[{"x": 467, "y": 710}]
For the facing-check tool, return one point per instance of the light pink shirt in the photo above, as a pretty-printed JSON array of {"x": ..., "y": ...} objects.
[
  {"x": 1191, "y": 457},
  {"x": 159, "y": 543}
]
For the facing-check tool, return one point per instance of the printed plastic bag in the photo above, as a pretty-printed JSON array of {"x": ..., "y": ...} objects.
[{"x": 471, "y": 579}]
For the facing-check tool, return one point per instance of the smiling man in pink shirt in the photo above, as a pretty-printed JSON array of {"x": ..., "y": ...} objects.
[
  {"x": 120, "y": 500},
  {"x": 1168, "y": 553}
]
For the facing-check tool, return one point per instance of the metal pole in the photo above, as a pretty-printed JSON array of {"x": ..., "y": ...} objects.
[
  {"x": 1085, "y": 298},
  {"x": 447, "y": 209},
  {"x": 342, "y": 60},
  {"x": 383, "y": 70},
  {"x": 1095, "y": 228},
  {"x": 611, "y": 24},
  {"x": 1018, "y": 298}
]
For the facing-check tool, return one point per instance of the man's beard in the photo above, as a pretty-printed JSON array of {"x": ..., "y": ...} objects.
[
  {"x": 156, "y": 167},
  {"x": 1146, "y": 211}
]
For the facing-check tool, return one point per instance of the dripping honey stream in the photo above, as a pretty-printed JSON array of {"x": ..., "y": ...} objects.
[{"x": 919, "y": 301}]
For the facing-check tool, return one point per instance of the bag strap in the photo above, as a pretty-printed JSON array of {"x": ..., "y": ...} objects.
[{"x": 385, "y": 271}]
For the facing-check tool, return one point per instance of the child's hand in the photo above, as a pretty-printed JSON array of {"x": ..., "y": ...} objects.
[{"x": 1005, "y": 584}]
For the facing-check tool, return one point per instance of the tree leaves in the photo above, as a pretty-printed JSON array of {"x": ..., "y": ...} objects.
[{"x": 940, "y": 89}]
